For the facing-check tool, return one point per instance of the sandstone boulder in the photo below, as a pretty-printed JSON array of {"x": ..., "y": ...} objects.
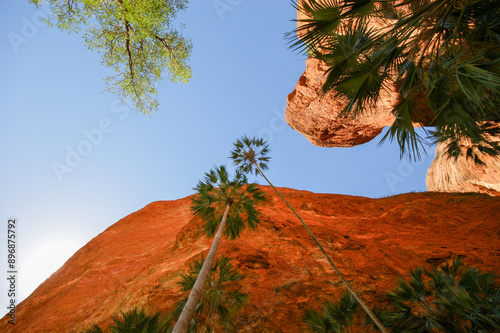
[
  {"x": 317, "y": 116},
  {"x": 463, "y": 175}
]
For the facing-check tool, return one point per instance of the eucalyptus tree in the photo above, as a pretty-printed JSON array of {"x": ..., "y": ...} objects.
[
  {"x": 136, "y": 39},
  {"x": 220, "y": 299},
  {"x": 442, "y": 56},
  {"x": 227, "y": 206},
  {"x": 250, "y": 156}
]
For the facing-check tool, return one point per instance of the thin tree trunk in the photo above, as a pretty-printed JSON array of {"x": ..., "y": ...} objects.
[
  {"x": 183, "y": 323},
  {"x": 360, "y": 301}
]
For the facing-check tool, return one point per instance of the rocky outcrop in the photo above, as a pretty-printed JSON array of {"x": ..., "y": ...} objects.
[
  {"x": 137, "y": 261},
  {"x": 463, "y": 175},
  {"x": 317, "y": 116}
]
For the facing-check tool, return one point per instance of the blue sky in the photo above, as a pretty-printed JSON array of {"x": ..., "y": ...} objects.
[{"x": 53, "y": 103}]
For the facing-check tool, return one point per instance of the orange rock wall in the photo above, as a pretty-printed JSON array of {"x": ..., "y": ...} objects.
[{"x": 137, "y": 261}]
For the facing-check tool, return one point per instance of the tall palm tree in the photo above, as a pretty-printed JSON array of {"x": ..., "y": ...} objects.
[
  {"x": 225, "y": 205},
  {"x": 249, "y": 155},
  {"x": 442, "y": 56},
  {"x": 219, "y": 298}
]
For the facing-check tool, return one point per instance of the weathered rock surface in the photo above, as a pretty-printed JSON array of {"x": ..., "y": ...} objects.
[
  {"x": 463, "y": 175},
  {"x": 137, "y": 260},
  {"x": 317, "y": 116}
]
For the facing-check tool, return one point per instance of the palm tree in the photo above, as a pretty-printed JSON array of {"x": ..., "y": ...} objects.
[
  {"x": 442, "y": 56},
  {"x": 451, "y": 298},
  {"x": 136, "y": 321},
  {"x": 232, "y": 202},
  {"x": 217, "y": 300},
  {"x": 249, "y": 155},
  {"x": 336, "y": 317}
]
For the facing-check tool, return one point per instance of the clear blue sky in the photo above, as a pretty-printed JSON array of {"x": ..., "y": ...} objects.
[{"x": 52, "y": 93}]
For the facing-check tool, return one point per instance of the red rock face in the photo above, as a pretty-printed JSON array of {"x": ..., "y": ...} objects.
[{"x": 137, "y": 261}]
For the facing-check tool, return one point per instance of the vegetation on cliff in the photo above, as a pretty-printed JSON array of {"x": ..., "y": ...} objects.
[
  {"x": 451, "y": 298},
  {"x": 442, "y": 56}
]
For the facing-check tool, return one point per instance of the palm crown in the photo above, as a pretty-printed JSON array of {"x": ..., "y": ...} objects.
[
  {"x": 136, "y": 320},
  {"x": 250, "y": 154},
  {"x": 216, "y": 191}
]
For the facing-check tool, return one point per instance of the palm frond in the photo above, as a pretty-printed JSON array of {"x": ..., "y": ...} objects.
[
  {"x": 219, "y": 300},
  {"x": 323, "y": 19}
]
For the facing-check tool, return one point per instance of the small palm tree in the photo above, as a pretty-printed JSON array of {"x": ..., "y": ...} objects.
[
  {"x": 250, "y": 156},
  {"x": 217, "y": 300},
  {"x": 336, "y": 317},
  {"x": 136, "y": 321},
  {"x": 225, "y": 205},
  {"x": 450, "y": 298}
]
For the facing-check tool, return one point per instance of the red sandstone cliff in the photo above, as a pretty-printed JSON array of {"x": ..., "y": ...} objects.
[{"x": 137, "y": 260}]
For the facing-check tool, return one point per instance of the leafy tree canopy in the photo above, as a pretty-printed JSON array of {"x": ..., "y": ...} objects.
[
  {"x": 442, "y": 56},
  {"x": 137, "y": 39}
]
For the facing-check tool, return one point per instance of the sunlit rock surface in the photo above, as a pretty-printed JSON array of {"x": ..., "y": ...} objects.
[
  {"x": 317, "y": 116},
  {"x": 463, "y": 175},
  {"x": 137, "y": 261}
]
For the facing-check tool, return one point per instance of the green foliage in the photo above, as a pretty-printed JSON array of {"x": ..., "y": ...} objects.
[
  {"x": 442, "y": 56},
  {"x": 336, "y": 317},
  {"x": 216, "y": 191},
  {"x": 136, "y": 321},
  {"x": 136, "y": 39},
  {"x": 249, "y": 153},
  {"x": 220, "y": 302},
  {"x": 451, "y": 298}
]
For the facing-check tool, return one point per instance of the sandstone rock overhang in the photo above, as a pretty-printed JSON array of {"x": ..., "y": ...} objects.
[{"x": 317, "y": 117}]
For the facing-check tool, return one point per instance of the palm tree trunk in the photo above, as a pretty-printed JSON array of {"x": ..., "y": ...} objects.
[
  {"x": 187, "y": 314},
  {"x": 346, "y": 284}
]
